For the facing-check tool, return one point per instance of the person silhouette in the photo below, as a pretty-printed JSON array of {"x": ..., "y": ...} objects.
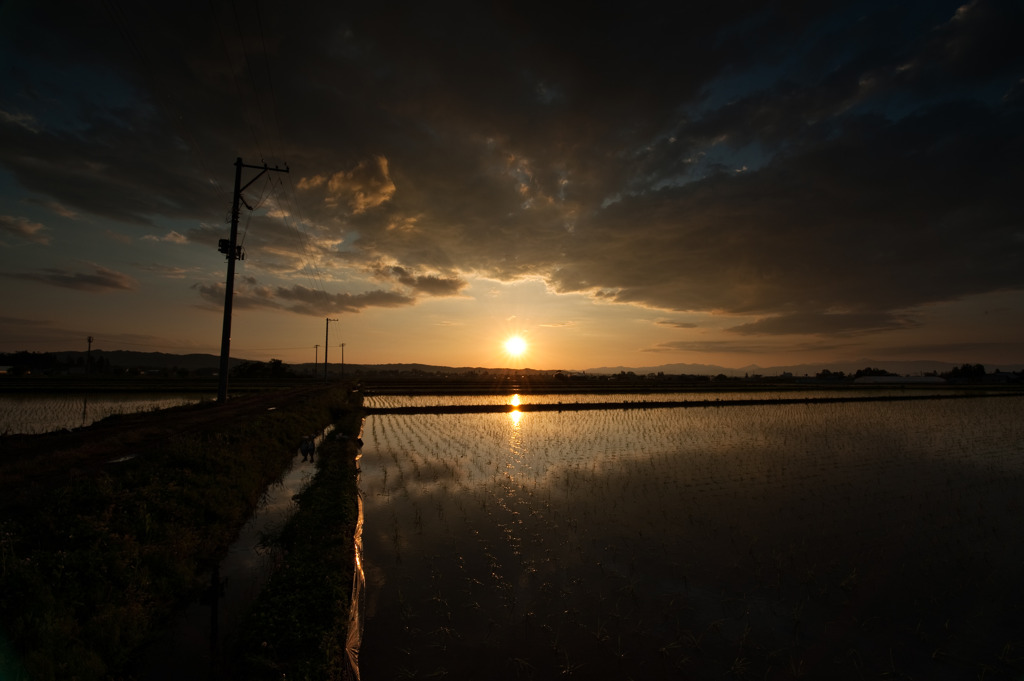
[{"x": 308, "y": 448}]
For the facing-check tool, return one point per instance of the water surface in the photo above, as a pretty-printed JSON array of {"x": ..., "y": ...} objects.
[
  {"x": 699, "y": 542},
  {"x": 34, "y": 413}
]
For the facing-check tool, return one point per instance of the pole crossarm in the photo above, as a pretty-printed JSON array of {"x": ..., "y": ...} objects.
[
  {"x": 263, "y": 169},
  {"x": 231, "y": 250}
]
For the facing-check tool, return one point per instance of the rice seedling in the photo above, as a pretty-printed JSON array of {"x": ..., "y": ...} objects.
[{"x": 802, "y": 539}]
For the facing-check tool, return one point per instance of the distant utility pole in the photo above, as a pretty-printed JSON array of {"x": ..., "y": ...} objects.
[
  {"x": 343, "y": 360},
  {"x": 327, "y": 334},
  {"x": 233, "y": 251},
  {"x": 88, "y": 355}
]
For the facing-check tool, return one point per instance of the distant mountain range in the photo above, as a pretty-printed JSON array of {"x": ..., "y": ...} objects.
[{"x": 192, "y": 362}]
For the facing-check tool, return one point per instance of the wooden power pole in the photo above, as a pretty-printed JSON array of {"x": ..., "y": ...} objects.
[
  {"x": 327, "y": 335},
  {"x": 233, "y": 251}
]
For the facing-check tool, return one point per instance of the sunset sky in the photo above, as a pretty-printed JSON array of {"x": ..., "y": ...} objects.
[{"x": 636, "y": 184}]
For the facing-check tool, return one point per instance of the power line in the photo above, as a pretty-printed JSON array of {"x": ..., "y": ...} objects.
[
  {"x": 252, "y": 209},
  {"x": 163, "y": 347},
  {"x": 300, "y": 347}
]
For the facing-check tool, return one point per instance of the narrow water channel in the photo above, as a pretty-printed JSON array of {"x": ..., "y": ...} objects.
[{"x": 198, "y": 634}]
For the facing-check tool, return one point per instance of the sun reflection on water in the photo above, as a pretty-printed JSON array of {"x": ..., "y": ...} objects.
[
  {"x": 515, "y": 415},
  {"x": 515, "y": 438}
]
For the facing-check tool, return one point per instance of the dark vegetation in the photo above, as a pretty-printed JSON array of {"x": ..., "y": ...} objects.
[
  {"x": 479, "y": 381},
  {"x": 100, "y": 363},
  {"x": 198, "y": 370},
  {"x": 195, "y": 368},
  {"x": 106, "y": 530}
]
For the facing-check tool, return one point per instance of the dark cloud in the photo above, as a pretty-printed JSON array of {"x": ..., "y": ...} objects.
[
  {"x": 22, "y": 120},
  {"x": 299, "y": 299},
  {"x": 101, "y": 279},
  {"x": 17, "y": 321},
  {"x": 957, "y": 352},
  {"x": 826, "y": 323},
  {"x": 712, "y": 346},
  {"x": 738, "y": 347},
  {"x": 826, "y": 166},
  {"x": 24, "y": 229},
  {"x": 113, "y": 169},
  {"x": 429, "y": 284},
  {"x": 169, "y": 271},
  {"x": 878, "y": 218},
  {"x": 979, "y": 40},
  {"x": 366, "y": 186},
  {"x": 310, "y": 301},
  {"x": 172, "y": 237}
]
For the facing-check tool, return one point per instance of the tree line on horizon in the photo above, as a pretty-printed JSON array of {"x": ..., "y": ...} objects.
[{"x": 24, "y": 363}]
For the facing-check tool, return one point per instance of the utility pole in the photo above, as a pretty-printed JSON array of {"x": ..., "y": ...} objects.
[
  {"x": 88, "y": 355},
  {"x": 327, "y": 334},
  {"x": 342, "y": 360},
  {"x": 233, "y": 251}
]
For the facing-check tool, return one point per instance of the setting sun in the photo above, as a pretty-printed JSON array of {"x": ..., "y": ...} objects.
[{"x": 515, "y": 346}]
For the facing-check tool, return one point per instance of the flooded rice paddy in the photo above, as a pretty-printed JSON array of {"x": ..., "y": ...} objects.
[
  {"x": 844, "y": 540},
  {"x": 32, "y": 414}
]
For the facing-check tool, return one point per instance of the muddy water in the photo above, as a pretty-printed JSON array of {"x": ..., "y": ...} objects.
[{"x": 197, "y": 635}]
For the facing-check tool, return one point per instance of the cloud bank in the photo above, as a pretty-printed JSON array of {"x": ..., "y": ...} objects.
[{"x": 826, "y": 168}]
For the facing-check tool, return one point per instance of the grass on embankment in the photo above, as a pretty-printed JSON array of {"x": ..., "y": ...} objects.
[
  {"x": 298, "y": 627},
  {"x": 91, "y": 564}
]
